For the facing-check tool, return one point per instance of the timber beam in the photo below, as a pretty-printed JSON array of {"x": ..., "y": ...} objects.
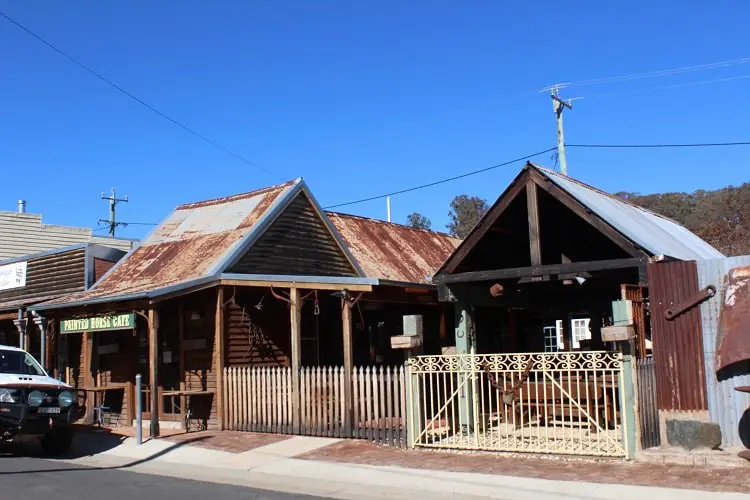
[
  {"x": 300, "y": 286},
  {"x": 547, "y": 270}
]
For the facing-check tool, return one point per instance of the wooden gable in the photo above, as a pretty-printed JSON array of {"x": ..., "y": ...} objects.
[
  {"x": 535, "y": 223},
  {"x": 298, "y": 242}
]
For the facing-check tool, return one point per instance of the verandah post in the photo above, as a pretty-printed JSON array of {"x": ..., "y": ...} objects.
[
  {"x": 295, "y": 316},
  {"x": 346, "y": 328},
  {"x": 219, "y": 350},
  {"x": 465, "y": 346},
  {"x": 153, "y": 365}
]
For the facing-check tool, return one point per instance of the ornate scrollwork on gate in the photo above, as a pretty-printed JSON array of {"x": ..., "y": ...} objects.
[{"x": 516, "y": 362}]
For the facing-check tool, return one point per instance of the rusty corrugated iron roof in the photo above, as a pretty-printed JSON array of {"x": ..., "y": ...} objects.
[
  {"x": 394, "y": 252},
  {"x": 193, "y": 242}
]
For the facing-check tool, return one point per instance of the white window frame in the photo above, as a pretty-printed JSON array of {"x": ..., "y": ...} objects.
[
  {"x": 551, "y": 333},
  {"x": 579, "y": 330}
]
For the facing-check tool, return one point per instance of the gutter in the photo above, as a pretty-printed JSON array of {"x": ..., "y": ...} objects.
[
  {"x": 99, "y": 300},
  {"x": 334, "y": 280},
  {"x": 209, "y": 279}
]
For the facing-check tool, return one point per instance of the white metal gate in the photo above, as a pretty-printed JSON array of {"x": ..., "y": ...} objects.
[{"x": 561, "y": 402}]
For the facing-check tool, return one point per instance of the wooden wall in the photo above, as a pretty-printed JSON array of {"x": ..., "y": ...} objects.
[
  {"x": 8, "y": 333},
  {"x": 256, "y": 336},
  {"x": 116, "y": 368},
  {"x": 298, "y": 242},
  {"x": 76, "y": 358},
  {"x": 54, "y": 274},
  {"x": 200, "y": 371}
]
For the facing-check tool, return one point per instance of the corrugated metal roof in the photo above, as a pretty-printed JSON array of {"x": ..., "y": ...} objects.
[
  {"x": 25, "y": 302},
  {"x": 190, "y": 244},
  {"x": 658, "y": 235},
  {"x": 391, "y": 251}
]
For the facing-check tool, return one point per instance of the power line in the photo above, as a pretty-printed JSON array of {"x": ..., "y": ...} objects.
[
  {"x": 442, "y": 181},
  {"x": 633, "y": 146},
  {"x": 591, "y": 146},
  {"x": 656, "y": 74},
  {"x": 135, "y": 98},
  {"x": 668, "y": 87}
]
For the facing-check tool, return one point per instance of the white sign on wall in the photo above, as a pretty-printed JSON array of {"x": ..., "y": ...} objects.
[{"x": 13, "y": 275}]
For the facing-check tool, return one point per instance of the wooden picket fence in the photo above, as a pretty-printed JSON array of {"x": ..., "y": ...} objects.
[{"x": 259, "y": 399}]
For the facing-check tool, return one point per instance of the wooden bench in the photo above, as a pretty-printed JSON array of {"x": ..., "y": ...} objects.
[{"x": 546, "y": 402}]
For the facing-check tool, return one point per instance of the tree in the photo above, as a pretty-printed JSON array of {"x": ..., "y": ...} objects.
[
  {"x": 418, "y": 221},
  {"x": 721, "y": 217},
  {"x": 464, "y": 214}
]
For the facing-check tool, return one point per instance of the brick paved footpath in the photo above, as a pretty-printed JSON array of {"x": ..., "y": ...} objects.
[{"x": 608, "y": 471}]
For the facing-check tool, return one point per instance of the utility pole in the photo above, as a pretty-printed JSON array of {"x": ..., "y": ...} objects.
[
  {"x": 113, "y": 201},
  {"x": 558, "y": 106}
]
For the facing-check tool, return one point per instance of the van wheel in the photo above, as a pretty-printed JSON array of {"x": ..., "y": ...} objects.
[{"x": 57, "y": 442}]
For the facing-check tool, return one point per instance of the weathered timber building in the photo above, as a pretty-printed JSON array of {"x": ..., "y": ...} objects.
[
  {"x": 551, "y": 291},
  {"x": 263, "y": 283},
  {"x": 31, "y": 279}
]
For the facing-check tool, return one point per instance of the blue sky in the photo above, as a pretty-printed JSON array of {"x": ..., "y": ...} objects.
[{"x": 359, "y": 98}]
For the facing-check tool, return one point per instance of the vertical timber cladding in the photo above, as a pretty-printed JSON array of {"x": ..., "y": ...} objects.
[{"x": 677, "y": 343}]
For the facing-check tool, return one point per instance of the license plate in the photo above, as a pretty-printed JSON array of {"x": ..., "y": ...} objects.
[{"x": 49, "y": 410}]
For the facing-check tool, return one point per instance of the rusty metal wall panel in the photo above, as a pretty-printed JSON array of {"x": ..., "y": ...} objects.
[
  {"x": 49, "y": 276},
  {"x": 677, "y": 343},
  {"x": 637, "y": 296},
  {"x": 726, "y": 406},
  {"x": 649, "y": 415}
]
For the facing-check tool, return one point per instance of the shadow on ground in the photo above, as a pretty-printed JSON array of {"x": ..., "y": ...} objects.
[{"x": 87, "y": 443}]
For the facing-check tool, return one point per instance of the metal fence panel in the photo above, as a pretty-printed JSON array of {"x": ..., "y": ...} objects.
[
  {"x": 677, "y": 342},
  {"x": 562, "y": 403},
  {"x": 649, "y": 414},
  {"x": 725, "y": 405}
]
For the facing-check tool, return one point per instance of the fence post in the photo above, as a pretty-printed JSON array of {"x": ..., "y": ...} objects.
[
  {"x": 413, "y": 396},
  {"x": 627, "y": 396},
  {"x": 138, "y": 410},
  {"x": 413, "y": 409}
]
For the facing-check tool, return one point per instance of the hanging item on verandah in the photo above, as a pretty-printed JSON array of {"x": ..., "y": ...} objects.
[{"x": 733, "y": 338}]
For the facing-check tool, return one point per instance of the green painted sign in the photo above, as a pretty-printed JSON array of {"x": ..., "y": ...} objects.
[{"x": 125, "y": 321}]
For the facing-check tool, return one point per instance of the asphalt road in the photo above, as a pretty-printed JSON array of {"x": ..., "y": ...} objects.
[{"x": 32, "y": 478}]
